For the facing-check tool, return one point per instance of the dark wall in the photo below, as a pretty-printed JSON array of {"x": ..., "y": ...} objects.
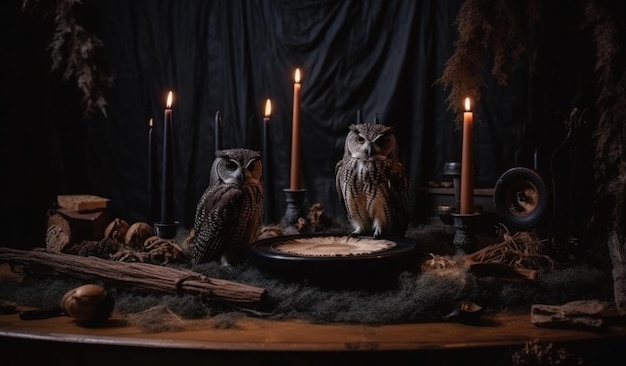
[
  {"x": 380, "y": 57},
  {"x": 42, "y": 134}
]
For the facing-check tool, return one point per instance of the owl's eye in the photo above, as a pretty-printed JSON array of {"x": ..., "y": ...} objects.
[
  {"x": 383, "y": 141},
  {"x": 360, "y": 139},
  {"x": 252, "y": 165},
  {"x": 231, "y": 165}
]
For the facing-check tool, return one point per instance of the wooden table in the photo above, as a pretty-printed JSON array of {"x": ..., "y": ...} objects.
[{"x": 252, "y": 341}]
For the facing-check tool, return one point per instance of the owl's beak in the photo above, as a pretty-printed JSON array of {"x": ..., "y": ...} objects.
[
  {"x": 240, "y": 176},
  {"x": 235, "y": 178}
]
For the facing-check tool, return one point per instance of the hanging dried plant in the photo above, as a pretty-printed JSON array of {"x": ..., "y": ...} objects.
[
  {"x": 498, "y": 29},
  {"x": 610, "y": 72},
  {"x": 610, "y": 138},
  {"x": 76, "y": 52}
]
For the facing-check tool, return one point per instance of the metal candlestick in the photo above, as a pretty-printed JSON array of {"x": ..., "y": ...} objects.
[
  {"x": 294, "y": 210},
  {"x": 465, "y": 235},
  {"x": 453, "y": 169},
  {"x": 166, "y": 230}
]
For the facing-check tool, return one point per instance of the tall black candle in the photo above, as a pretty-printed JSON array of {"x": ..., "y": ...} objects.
[
  {"x": 218, "y": 131},
  {"x": 267, "y": 171},
  {"x": 153, "y": 202},
  {"x": 167, "y": 197}
]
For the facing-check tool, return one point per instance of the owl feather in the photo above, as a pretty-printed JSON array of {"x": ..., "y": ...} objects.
[{"x": 217, "y": 215}]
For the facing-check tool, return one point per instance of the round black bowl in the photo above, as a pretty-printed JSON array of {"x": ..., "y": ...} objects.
[{"x": 334, "y": 269}]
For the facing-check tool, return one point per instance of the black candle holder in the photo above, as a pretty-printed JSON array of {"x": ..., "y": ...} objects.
[
  {"x": 453, "y": 169},
  {"x": 294, "y": 209},
  {"x": 166, "y": 230},
  {"x": 465, "y": 235}
]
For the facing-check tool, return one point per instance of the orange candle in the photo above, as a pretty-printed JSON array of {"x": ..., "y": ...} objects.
[
  {"x": 295, "y": 183},
  {"x": 467, "y": 163}
]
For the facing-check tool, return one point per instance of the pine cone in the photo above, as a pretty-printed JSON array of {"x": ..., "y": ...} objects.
[
  {"x": 101, "y": 249},
  {"x": 163, "y": 251},
  {"x": 318, "y": 219}
]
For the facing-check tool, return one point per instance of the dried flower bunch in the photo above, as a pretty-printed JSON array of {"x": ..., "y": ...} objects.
[
  {"x": 77, "y": 53},
  {"x": 498, "y": 29}
]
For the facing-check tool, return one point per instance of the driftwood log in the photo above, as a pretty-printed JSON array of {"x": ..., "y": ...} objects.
[
  {"x": 583, "y": 314},
  {"x": 141, "y": 277}
]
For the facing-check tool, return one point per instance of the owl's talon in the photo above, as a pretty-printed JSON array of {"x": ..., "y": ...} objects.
[{"x": 377, "y": 233}]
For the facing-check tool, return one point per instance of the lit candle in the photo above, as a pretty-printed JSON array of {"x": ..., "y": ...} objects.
[
  {"x": 267, "y": 172},
  {"x": 266, "y": 136},
  {"x": 218, "y": 131},
  {"x": 295, "y": 135},
  {"x": 167, "y": 198},
  {"x": 467, "y": 163},
  {"x": 152, "y": 171}
]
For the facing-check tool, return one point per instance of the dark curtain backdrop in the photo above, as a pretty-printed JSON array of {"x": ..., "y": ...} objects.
[
  {"x": 230, "y": 56},
  {"x": 380, "y": 57}
]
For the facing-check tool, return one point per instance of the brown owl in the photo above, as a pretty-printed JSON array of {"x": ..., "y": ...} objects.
[
  {"x": 372, "y": 184},
  {"x": 228, "y": 215}
]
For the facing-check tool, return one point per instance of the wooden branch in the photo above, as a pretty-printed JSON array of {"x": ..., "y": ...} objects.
[
  {"x": 583, "y": 314},
  {"x": 484, "y": 269},
  {"x": 138, "y": 276}
]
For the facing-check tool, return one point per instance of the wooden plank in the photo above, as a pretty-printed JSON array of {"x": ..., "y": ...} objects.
[
  {"x": 247, "y": 333},
  {"x": 82, "y": 202}
]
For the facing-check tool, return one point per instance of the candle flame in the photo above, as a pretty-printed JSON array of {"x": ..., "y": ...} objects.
[
  {"x": 151, "y": 123},
  {"x": 467, "y": 104},
  {"x": 169, "y": 100},
  {"x": 268, "y": 108},
  {"x": 297, "y": 76}
]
